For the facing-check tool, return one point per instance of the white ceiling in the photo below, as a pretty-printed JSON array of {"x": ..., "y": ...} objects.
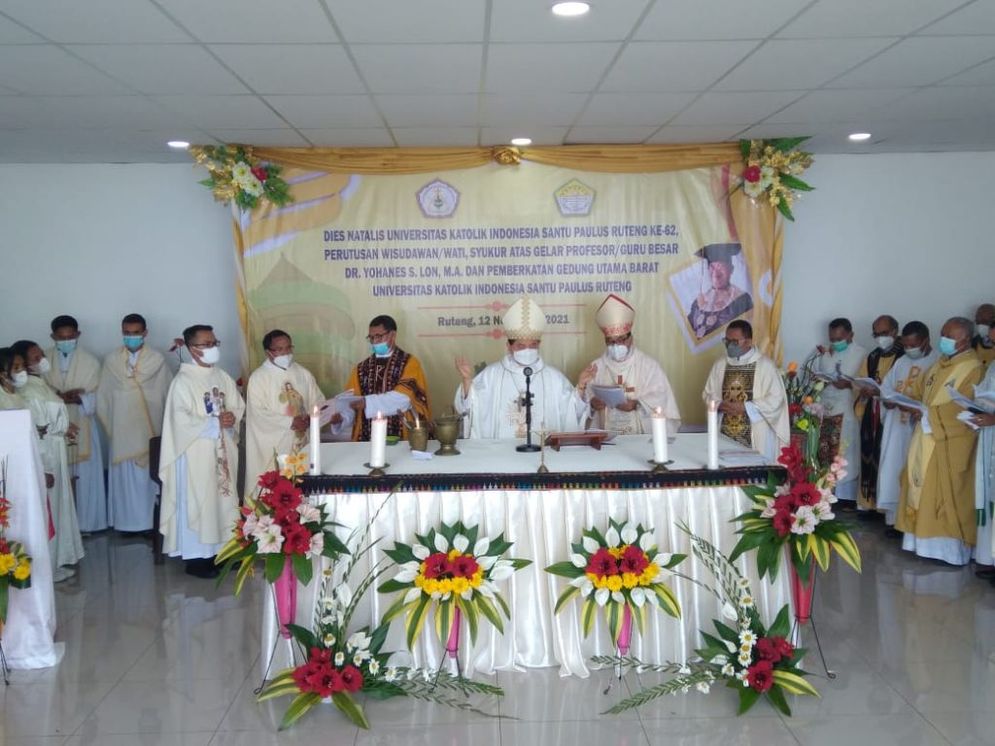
[{"x": 112, "y": 80}]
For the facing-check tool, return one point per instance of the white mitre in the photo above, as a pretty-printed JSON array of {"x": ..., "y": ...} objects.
[
  {"x": 525, "y": 320},
  {"x": 614, "y": 316}
]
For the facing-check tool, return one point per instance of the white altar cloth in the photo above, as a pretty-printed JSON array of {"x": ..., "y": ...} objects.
[{"x": 542, "y": 523}]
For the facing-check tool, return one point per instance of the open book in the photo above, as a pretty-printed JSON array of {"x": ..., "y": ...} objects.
[
  {"x": 611, "y": 394},
  {"x": 866, "y": 383},
  {"x": 890, "y": 395},
  {"x": 983, "y": 404}
]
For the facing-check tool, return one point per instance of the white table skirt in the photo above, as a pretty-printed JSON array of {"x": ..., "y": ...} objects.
[
  {"x": 542, "y": 524},
  {"x": 28, "y": 636}
]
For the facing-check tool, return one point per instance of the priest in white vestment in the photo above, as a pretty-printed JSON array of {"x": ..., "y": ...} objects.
[
  {"x": 199, "y": 459},
  {"x": 493, "y": 400},
  {"x": 898, "y": 423},
  {"x": 131, "y": 397},
  {"x": 75, "y": 376},
  {"x": 279, "y": 400},
  {"x": 51, "y": 418},
  {"x": 842, "y": 356},
  {"x": 751, "y": 396},
  {"x": 984, "y": 473},
  {"x": 640, "y": 377}
]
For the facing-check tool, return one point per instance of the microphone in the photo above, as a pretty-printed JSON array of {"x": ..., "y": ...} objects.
[
  {"x": 528, "y": 446},
  {"x": 527, "y": 372}
]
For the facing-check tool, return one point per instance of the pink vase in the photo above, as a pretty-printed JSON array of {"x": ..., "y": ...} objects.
[
  {"x": 801, "y": 592},
  {"x": 452, "y": 645},
  {"x": 625, "y": 633},
  {"x": 285, "y": 590}
]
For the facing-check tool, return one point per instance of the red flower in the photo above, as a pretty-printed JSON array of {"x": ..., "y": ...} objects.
[
  {"x": 760, "y": 676},
  {"x": 436, "y": 565},
  {"x": 296, "y": 539},
  {"x": 785, "y": 648},
  {"x": 634, "y": 560},
  {"x": 352, "y": 679},
  {"x": 260, "y": 173},
  {"x": 320, "y": 655},
  {"x": 806, "y": 493},
  {"x": 463, "y": 566},
  {"x": 781, "y": 523},
  {"x": 602, "y": 563},
  {"x": 269, "y": 479},
  {"x": 795, "y": 409},
  {"x": 767, "y": 650},
  {"x": 752, "y": 174}
]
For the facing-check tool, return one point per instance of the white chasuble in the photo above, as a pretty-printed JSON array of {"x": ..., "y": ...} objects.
[{"x": 645, "y": 383}]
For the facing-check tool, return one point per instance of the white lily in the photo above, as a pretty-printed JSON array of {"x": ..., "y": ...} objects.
[
  {"x": 412, "y": 595},
  {"x": 359, "y": 641},
  {"x": 481, "y": 547},
  {"x": 374, "y": 667},
  {"x": 486, "y": 562},
  {"x": 730, "y": 647},
  {"x": 339, "y": 658},
  {"x": 702, "y": 686},
  {"x": 729, "y": 612},
  {"x": 617, "y": 597},
  {"x": 441, "y": 545},
  {"x": 487, "y": 589},
  {"x": 408, "y": 572},
  {"x": 590, "y": 545},
  {"x": 601, "y": 596},
  {"x": 467, "y": 594},
  {"x": 662, "y": 559},
  {"x": 638, "y": 597},
  {"x": 629, "y": 534},
  {"x": 684, "y": 670},
  {"x": 502, "y": 570},
  {"x": 461, "y": 543},
  {"x": 611, "y": 537},
  {"x": 578, "y": 560},
  {"x": 728, "y": 669},
  {"x": 646, "y": 542},
  {"x": 719, "y": 660},
  {"x": 421, "y": 552}
]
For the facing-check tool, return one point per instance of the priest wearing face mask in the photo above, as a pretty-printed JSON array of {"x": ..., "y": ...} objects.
[
  {"x": 134, "y": 381},
  {"x": 198, "y": 464},
  {"x": 642, "y": 379},
  {"x": 751, "y": 396},
  {"x": 936, "y": 510},
  {"x": 984, "y": 320},
  {"x": 494, "y": 398},
  {"x": 389, "y": 382},
  {"x": 840, "y": 427},
  {"x": 897, "y": 423},
  {"x": 75, "y": 377},
  {"x": 280, "y": 397},
  {"x": 867, "y": 409}
]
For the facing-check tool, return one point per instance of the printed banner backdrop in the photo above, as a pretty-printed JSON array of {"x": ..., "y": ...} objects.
[{"x": 445, "y": 253}]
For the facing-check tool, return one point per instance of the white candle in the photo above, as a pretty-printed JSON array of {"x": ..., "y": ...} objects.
[
  {"x": 659, "y": 436},
  {"x": 314, "y": 443},
  {"x": 378, "y": 441},
  {"x": 713, "y": 434}
]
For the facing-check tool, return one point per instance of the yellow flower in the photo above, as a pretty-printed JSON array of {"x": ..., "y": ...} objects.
[
  {"x": 477, "y": 578},
  {"x": 614, "y": 583},
  {"x": 460, "y": 585},
  {"x": 23, "y": 571},
  {"x": 7, "y": 563},
  {"x": 297, "y": 462},
  {"x": 616, "y": 552},
  {"x": 629, "y": 580}
]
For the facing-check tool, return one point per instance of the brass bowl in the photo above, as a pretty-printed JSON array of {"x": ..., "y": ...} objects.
[
  {"x": 418, "y": 438},
  {"x": 447, "y": 430}
]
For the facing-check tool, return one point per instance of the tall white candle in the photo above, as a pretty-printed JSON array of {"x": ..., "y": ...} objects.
[
  {"x": 314, "y": 443},
  {"x": 378, "y": 441},
  {"x": 713, "y": 434},
  {"x": 659, "y": 436}
]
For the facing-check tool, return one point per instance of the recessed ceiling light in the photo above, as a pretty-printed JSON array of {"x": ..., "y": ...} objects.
[
  {"x": 571, "y": 9},
  {"x": 521, "y": 141},
  {"x": 860, "y": 136},
  {"x": 178, "y": 144}
]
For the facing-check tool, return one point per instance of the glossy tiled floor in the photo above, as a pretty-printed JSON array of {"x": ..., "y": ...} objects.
[{"x": 155, "y": 658}]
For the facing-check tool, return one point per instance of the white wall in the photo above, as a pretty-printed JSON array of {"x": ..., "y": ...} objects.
[{"x": 908, "y": 235}]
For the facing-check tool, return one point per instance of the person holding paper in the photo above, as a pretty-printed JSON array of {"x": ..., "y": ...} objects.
[
  {"x": 75, "y": 378},
  {"x": 279, "y": 400},
  {"x": 840, "y": 428},
  {"x": 984, "y": 472},
  {"x": 131, "y": 398},
  {"x": 897, "y": 423},
  {"x": 198, "y": 464},
  {"x": 494, "y": 398},
  {"x": 390, "y": 381},
  {"x": 634, "y": 375},
  {"x": 751, "y": 396},
  {"x": 868, "y": 407},
  {"x": 936, "y": 507},
  {"x": 984, "y": 320}
]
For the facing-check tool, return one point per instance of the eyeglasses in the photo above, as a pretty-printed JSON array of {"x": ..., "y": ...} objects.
[
  {"x": 374, "y": 338},
  {"x": 207, "y": 345}
]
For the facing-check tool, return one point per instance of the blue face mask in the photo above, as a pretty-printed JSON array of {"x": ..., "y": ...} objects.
[
  {"x": 380, "y": 349},
  {"x": 947, "y": 346},
  {"x": 65, "y": 346},
  {"x": 133, "y": 343},
  {"x": 840, "y": 345}
]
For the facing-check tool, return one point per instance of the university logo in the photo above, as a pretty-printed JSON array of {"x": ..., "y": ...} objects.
[
  {"x": 575, "y": 198},
  {"x": 437, "y": 199}
]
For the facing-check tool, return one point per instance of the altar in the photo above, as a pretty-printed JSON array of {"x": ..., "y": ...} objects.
[{"x": 499, "y": 489}]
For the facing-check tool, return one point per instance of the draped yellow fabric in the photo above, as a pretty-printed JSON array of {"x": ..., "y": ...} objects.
[{"x": 603, "y": 158}]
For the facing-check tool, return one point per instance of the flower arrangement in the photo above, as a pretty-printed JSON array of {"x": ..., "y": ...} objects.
[
  {"x": 278, "y": 528},
  {"x": 618, "y": 571},
  {"x": 772, "y": 168},
  {"x": 798, "y": 515},
  {"x": 753, "y": 659},
  {"x": 459, "y": 571},
  {"x": 236, "y": 176},
  {"x": 15, "y": 564},
  {"x": 804, "y": 393},
  {"x": 338, "y": 664}
]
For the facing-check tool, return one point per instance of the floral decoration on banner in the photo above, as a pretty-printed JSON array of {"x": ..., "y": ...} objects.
[
  {"x": 620, "y": 571},
  {"x": 338, "y": 663},
  {"x": 771, "y": 169},
  {"x": 797, "y": 515},
  {"x": 278, "y": 527},
  {"x": 236, "y": 176},
  {"x": 805, "y": 409},
  {"x": 15, "y": 564},
  {"x": 458, "y": 571},
  {"x": 753, "y": 659}
]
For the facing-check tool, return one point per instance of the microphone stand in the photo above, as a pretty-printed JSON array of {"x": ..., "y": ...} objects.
[{"x": 528, "y": 446}]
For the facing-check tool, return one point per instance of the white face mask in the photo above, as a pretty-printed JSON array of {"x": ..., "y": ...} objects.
[
  {"x": 982, "y": 330},
  {"x": 283, "y": 361},
  {"x": 528, "y": 356},
  {"x": 915, "y": 353},
  {"x": 618, "y": 353},
  {"x": 885, "y": 343},
  {"x": 42, "y": 367},
  {"x": 210, "y": 356},
  {"x": 19, "y": 379}
]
